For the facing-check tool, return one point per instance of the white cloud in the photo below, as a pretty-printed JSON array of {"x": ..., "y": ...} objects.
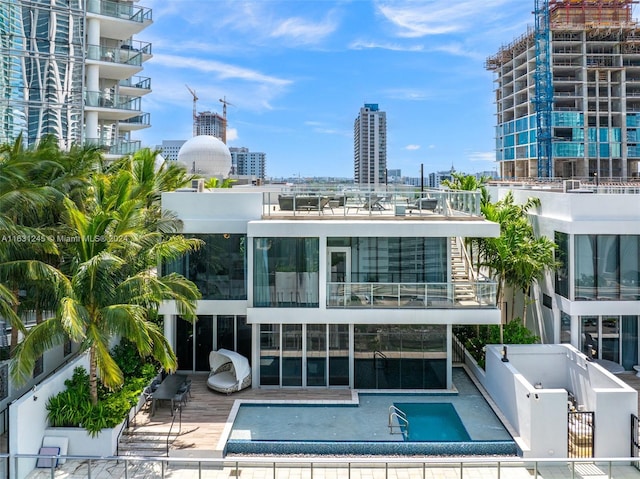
[
  {"x": 482, "y": 156},
  {"x": 410, "y": 94},
  {"x": 232, "y": 134},
  {"x": 223, "y": 70},
  {"x": 303, "y": 31},
  {"x": 367, "y": 44},
  {"x": 436, "y": 17},
  {"x": 412, "y": 147}
]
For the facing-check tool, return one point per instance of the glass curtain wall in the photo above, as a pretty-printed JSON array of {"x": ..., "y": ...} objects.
[
  {"x": 400, "y": 357},
  {"x": 218, "y": 268},
  {"x": 607, "y": 267},
  {"x": 396, "y": 260},
  {"x": 338, "y": 355},
  {"x": 562, "y": 257},
  {"x": 194, "y": 341},
  {"x": 286, "y": 272},
  {"x": 614, "y": 338}
]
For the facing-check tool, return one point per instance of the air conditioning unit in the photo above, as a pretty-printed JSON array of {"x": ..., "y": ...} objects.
[
  {"x": 570, "y": 185},
  {"x": 198, "y": 185}
]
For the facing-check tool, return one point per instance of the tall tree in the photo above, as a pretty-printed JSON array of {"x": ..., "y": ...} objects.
[{"x": 108, "y": 284}]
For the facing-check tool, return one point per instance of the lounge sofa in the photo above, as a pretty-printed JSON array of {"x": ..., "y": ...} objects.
[{"x": 305, "y": 203}]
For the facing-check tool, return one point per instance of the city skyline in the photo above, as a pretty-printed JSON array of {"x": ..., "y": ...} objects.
[{"x": 297, "y": 73}]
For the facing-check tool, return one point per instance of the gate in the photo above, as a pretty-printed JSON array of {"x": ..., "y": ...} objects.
[{"x": 581, "y": 433}]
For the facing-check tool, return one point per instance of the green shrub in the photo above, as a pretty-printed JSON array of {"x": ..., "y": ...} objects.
[
  {"x": 475, "y": 338},
  {"x": 72, "y": 407}
]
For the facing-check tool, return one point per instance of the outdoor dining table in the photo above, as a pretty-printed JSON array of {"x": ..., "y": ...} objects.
[{"x": 167, "y": 390}]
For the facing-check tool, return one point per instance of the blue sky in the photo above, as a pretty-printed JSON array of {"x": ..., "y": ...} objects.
[{"x": 298, "y": 71}]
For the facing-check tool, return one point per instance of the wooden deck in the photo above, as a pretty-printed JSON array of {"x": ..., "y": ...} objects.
[{"x": 205, "y": 415}]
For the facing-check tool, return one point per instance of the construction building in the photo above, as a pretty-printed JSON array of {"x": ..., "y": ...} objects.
[
  {"x": 209, "y": 123},
  {"x": 70, "y": 70},
  {"x": 568, "y": 93},
  {"x": 370, "y": 146}
]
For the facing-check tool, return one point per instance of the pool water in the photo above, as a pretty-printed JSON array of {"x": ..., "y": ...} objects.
[
  {"x": 432, "y": 422},
  {"x": 459, "y": 422}
]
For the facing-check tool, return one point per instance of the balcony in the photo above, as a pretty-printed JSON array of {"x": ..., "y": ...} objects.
[
  {"x": 136, "y": 123},
  {"x": 112, "y": 106},
  {"x": 115, "y": 147},
  {"x": 114, "y": 55},
  {"x": 409, "y": 203},
  {"x": 119, "y": 19},
  {"x": 481, "y": 294},
  {"x": 135, "y": 86}
]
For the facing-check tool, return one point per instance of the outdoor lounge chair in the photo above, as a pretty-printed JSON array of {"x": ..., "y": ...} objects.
[
  {"x": 424, "y": 204},
  {"x": 230, "y": 371}
]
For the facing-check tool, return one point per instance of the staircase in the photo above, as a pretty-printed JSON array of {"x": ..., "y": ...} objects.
[
  {"x": 138, "y": 442},
  {"x": 463, "y": 283}
]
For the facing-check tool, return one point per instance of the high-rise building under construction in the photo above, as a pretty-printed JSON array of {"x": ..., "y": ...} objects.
[{"x": 568, "y": 93}]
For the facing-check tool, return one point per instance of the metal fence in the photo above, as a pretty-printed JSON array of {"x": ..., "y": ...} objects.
[
  {"x": 325, "y": 468},
  {"x": 581, "y": 433}
]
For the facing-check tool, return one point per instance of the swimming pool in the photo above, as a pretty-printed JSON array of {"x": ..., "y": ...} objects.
[
  {"x": 362, "y": 427},
  {"x": 432, "y": 422}
]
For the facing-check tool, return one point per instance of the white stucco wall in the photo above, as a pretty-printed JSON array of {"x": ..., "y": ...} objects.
[
  {"x": 28, "y": 414},
  {"x": 540, "y": 415}
]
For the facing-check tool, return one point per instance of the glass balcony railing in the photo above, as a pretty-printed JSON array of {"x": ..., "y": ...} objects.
[
  {"x": 480, "y": 294},
  {"x": 136, "y": 46},
  {"x": 115, "y": 147},
  {"x": 107, "y": 99},
  {"x": 349, "y": 202},
  {"x": 114, "y": 55},
  {"x": 144, "y": 119},
  {"x": 122, "y": 10},
  {"x": 143, "y": 83}
]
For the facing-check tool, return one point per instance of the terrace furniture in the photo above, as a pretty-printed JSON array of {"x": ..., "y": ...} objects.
[
  {"x": 428, "y": 204},
  {"x": 302, "y": 202},
  {"x": 167, "y": 391},
  {"x": 230, "y": 371}
]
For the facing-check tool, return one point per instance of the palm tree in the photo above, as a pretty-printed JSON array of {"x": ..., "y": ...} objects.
[
  {"x": 108, "y": 284},
  {"x": 215, "y": 182},
  {"x": 515, "y": 258}
]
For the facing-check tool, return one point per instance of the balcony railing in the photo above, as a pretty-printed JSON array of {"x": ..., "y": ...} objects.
[
  {"x": 115, "y": 147},
  {"x": 144, "y": 119},
  {"x": 114, "y": 55},
  {"x": 122, "y": 10},
  {"x": 480, "y": 294},
  {"x": 115, "y": 101},
  {"x": 143, "y": 83},
  {"x": 374, "y": 203},
  {"x": 136, "y": 46}
]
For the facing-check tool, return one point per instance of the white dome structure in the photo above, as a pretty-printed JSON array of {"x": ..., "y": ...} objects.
[{"x": 205, "y": 155}]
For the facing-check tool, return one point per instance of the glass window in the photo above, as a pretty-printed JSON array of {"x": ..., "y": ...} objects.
[
  {"x": 610, "y": 342},
  {"x": 630, "y": 267},
  {"x": 338, "y": 355},
  {"x": 629, "y": 341},
  {"x": 565, "y": 328},
  {"x": 562, "y": 257},
  {"x": 286, "y": 272},
  {"x": 589, "y": 336},
  {"x": 269, "y": 354},
  {"x": 218, "y": 268},
  {"x": 585, "y": 259},
  {"x": 292, "y": 355},
  {"x": 400, "y": 356},
  {"x": 316, "y": 355}
]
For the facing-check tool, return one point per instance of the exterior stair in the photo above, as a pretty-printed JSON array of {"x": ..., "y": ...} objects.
[
  {"x": 138, "y": 442},
  {"x": 463, "y": 287}
]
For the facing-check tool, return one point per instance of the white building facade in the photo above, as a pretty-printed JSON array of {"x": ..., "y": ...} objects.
[
  {"x": 325, "y": 297},
  {"x": 370, "y": 146},
  {"x": 90, "y": 91},
  {"x": 592, "y": 301}
]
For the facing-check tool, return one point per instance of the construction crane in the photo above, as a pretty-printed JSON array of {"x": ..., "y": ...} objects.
[
  {"x": 195, "y": 116},
  {"x": 543, "y": 99},
  {"x": 224, "y": 102}
]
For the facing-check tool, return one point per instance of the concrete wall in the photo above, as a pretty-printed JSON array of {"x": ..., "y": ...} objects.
[
  {"x": 540, "y": 415},
  {"x": 32, "y": 405}
]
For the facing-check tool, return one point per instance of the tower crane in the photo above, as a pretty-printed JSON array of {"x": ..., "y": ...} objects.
[
  {"x": 195, "y": 100},
  {"x": 224, "y": 102}
]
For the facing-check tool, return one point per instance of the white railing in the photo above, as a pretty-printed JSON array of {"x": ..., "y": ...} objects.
[{"x": 308, "y": 468}]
